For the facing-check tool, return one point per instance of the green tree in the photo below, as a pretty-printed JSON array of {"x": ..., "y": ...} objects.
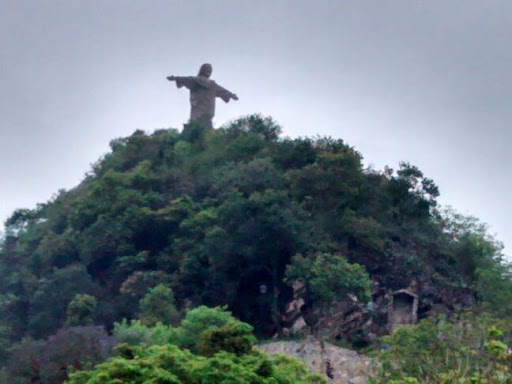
[
  {"x": 81, "y": 310},
  {"x": 51, "y": 299},
  {"x": 235, "y": 338},
  {"x": 169, "y": 364},
  {"x": 200, "y": 321},
  {"x": 330, "y": 277},
  {"x": 219, "y": 215},
  {"x": 202, "y": 330},
  {"x": 49, "y": 361},
  {"x": 471, "y": 245},
  {"x": 158, "y": 306},
  {"x": 494, "y": 290}
]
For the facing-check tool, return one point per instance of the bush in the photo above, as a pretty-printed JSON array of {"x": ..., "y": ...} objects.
[
  {"x": 134, "y": 332},
  {"x": 203, "y": 330},
  {"x": 329, "y": 277},
  {"x": 235, "y": 338},
  {"x": 171, "y": 365},
  {"x": 438, "y": 350},
  {"x": 200, "y": 321}
]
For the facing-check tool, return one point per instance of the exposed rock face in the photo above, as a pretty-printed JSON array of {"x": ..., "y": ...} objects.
[
  {"x": 292, "y": 318},
  {"x": 350, "y": 320},
  {"x": 361, "y": 324},
  {"x": 339, "y": 365}
]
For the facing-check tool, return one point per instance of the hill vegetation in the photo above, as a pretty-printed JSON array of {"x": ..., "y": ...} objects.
[{"x": 170, "y": 221}]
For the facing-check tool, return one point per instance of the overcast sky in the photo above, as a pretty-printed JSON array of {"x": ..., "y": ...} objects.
[{"x": 427, "y": 82}]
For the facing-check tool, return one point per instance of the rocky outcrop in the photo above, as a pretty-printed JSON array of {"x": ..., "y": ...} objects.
[
  {"x": 360, "y": 324},
  {"x": 349, "y": 320},
  {"x": 339, "y": 365},
  {"x": 292, "y": 320}
]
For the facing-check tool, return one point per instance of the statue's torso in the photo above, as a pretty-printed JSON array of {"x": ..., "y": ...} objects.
[
  {"x": 202, "y": 100},
  {"x": 203, "y": 92}
]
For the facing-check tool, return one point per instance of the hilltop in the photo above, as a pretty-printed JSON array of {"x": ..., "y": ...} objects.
[{"x": 235, "y": 216}]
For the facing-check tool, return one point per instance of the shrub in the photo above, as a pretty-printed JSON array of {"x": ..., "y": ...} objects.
[
  {"x": 203, "y": 330},
  {"x": 438, "y": 350},
  {"x": 171, "y": 365},
  {"x": 236, "y": 338},
  {"x": 200, "y": 321},
  {"x": 134, "y": 332}
]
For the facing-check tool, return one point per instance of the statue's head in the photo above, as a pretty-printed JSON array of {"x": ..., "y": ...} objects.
[{"x": 205, "y": 70}]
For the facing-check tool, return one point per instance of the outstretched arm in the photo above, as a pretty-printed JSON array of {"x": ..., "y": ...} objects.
[
  {"x": 225, "y": 95},
  {"x": 183, "y": 81}
]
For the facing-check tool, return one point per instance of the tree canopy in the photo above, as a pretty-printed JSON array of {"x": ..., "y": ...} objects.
[{"x": 208, "y": 217}]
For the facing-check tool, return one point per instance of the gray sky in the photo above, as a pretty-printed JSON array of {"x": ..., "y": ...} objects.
[{"x": 423, "y": 81}]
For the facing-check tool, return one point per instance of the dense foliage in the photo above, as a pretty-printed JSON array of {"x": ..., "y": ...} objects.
[
  {"x": 330, "y": 277},
  {"x": 466, "y": 349},
  {"x": 170, "y": 365},
  {"x": 49, "y": 361},
  {"x": 169, "y": 221},
  {"x": 203, "y": 330}
]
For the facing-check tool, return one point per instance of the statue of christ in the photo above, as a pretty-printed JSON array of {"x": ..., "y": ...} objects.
[{"x": 203, "y": 92}]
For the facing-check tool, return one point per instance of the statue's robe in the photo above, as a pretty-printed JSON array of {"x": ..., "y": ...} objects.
[{"x": 203, "y": 93}]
